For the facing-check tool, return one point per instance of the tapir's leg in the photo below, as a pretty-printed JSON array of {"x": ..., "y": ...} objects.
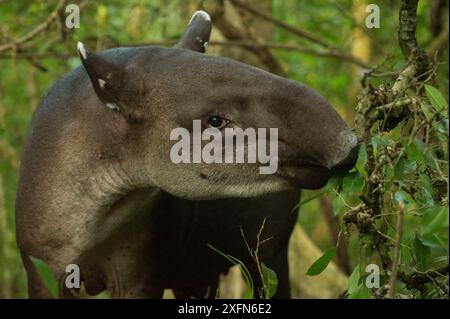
[
  {"x": 198, "y": 292},
  {"x": 137, "y": 292},
  {"x": 281, "y": 268},
  {"x": 36, "y": 288}
]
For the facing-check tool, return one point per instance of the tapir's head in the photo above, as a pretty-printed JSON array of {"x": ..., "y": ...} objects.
[{"x": 156, "y": 90}]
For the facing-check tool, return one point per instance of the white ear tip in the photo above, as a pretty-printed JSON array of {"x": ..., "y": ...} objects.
[
  {"x": 82, "y": 50},
  {"x": 202, "y": 14}
]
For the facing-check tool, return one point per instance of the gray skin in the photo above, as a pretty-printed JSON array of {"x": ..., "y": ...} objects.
[{"x": 97, "y": 187}]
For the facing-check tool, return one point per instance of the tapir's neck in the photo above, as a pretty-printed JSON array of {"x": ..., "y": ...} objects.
[
  {"x": 109, "y": 182},
  {"x": 111, "y": 196}
]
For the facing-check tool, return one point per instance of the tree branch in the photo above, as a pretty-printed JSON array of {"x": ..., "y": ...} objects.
[
  {"x": 415, "y": 56},
  {"x": 398, "y": 241},
  {"x": 36, "y": 31},
  {"x": 382, "y": 104},
  {"x": 331, "y": 50}
]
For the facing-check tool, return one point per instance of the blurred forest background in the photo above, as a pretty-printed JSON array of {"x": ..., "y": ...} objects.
[{"x": 323, "y": 43}]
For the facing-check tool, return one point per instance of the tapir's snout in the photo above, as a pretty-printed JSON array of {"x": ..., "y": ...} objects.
[
  {"x": 317, "y": 137},
  {"x": 348, "y": 162},
  {"x": 345, "y": 153}
]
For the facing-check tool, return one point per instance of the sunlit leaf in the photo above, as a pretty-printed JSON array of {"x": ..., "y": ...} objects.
[
  {"x": 421, "y": 252},
  {"x": 270, "y": 281},
  {"x": 434, "y": 219},
  {"x": 425, "y": 182},
  {"x": 353, "y": 281},
  {"x": 338, "y": 204},
  {"x": 436, "y": 98},
  {"x": 362, "y": 159},
  {"x": 360, "y": 292},
  {"x": 320, "y": 264},
  {"x": 353, "y": 183}
]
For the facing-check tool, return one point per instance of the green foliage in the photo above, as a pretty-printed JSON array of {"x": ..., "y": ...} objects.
[
  {"x": 269, "y": 277},
  {"x": 270, "y": 281},
  {"x": 356, "y": 287},
  {"x": 351, "y": 187},
  {"x": 416, "y": 176},
  {"x": 249, "y": 293},
  {"x": 320, "y": 264},
  {"x": 46, "y": 275},
  {"x": 436, "y": 98},
  {"x": 410, "y": 168}
]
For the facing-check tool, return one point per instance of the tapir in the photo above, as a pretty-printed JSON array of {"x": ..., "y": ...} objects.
[{"x": 97, "y": 187}]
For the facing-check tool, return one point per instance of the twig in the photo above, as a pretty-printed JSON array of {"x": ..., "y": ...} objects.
[
  {"x": 36, "y": 31},
  {"x": 332, "y": 50},
  {"x": 333, "y": 224},
  {"x": 301, "y": 33},
  {"x": 254, "y": 253},
  {"x": 346, "y": 12},
  {"x": 398, "y": 240},
  {"x": 268, "y": 45},
  {"x": 234, "y": 33}
]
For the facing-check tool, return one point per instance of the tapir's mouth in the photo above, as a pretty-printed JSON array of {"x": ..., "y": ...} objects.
[{"x": 303, "y": 174}]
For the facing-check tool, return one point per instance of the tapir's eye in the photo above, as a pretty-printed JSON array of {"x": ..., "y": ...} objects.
[{"x": 217, "y": 121}]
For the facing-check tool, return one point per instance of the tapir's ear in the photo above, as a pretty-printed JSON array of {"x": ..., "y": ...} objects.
[
  {"x": 196, "y": 36},
  {"x": 106, "y": 77}
]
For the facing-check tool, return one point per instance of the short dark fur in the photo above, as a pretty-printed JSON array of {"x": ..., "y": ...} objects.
[{"x": 97, "y": 187}]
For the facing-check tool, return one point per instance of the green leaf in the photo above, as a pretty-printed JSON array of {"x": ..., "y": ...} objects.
[
  {"x": 244, "y": 271},
  {"x": 415, "y": 151},
  {"x": 399, "y": 168},
  {"x": 442, "y": 240},
  {"x": 338, "y": 204},
  {"x": 310, "y": 198},
  {"x": 425, "y": 182},
  {"x": 430, "y": 240},
  {"x": 426, "y": 111},
  {"x": 436, "y": 98},
  {"x": 440, "y": 259},
  {"x": 421, "y": 252},
  {"x": 320, "y": 264},
  {"x": 360, "y": 292},
  {"x": 270, "y": 281},
  {"x": 353, "y": 183},
  {"x": 434, "y": 219},
  {"x": 376, "y": 142},
  {"x": 410, "y": 167},
  {"x": 333, "y": 182},
  {"x": 362, "y": 159},
  {"x": 442, "y": 129},
  {"x": 46, "y": 275},
  {"x": 353, "y": 281}
]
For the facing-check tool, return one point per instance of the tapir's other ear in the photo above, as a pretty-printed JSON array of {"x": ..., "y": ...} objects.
[
  {"x": 106, "y": 77},
  {"x": 196, "y": 36}
]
